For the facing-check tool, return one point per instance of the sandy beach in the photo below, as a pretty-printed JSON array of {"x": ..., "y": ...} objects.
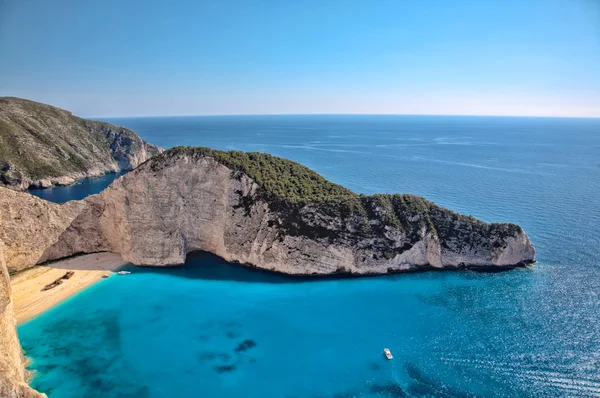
[{"x": 28, "y": 298}]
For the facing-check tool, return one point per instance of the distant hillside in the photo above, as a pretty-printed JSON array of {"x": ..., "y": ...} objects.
[{"x": 41, "y": 146}]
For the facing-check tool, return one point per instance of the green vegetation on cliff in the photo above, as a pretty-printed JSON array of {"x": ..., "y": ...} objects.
[
  {"x": 289, "y": 186},
  {"x": 39, "y": 141},
  {"x": 279, "y": 178}
]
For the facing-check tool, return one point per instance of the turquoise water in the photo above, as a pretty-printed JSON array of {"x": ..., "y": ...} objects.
[
  {"x": 77, "y": 191},
  {"x": 210, "y": 329}
]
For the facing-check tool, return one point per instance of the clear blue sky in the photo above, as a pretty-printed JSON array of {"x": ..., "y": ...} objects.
[{"x": 126, "y": 58}]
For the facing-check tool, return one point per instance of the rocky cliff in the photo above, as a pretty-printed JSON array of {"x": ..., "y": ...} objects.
[
  {"x": 275, "y": 214},
  {"x": 41, "y": 146},
  {"x": 12, "y": 363},
  {"x": 29, "y": 225}
]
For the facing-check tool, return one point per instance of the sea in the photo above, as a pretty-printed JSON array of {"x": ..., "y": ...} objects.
[{"x": 213, "y": 329}]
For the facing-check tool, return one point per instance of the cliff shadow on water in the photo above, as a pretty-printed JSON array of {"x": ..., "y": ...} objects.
[{"x": 208, "y": 266}]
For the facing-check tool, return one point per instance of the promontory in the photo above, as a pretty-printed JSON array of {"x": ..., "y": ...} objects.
[
  {"x": 41, "y": 146},
  {"x": 266, "y": 212}
]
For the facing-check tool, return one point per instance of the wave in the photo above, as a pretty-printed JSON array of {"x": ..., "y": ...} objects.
[
  {"x": 480, "y": 166},
  {"x": 532, "y": 374}
]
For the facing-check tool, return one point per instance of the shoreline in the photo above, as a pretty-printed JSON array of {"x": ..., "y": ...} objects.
[
  {"x": 76, "y": 181},
  {"x": 28, "y": 298}
]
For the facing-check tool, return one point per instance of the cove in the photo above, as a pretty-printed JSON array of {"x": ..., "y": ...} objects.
[
  {"x": 210, "y": 328},
  {"x": 523, "y": 333}
]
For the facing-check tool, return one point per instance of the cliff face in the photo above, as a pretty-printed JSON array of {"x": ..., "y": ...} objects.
[
  {"x": 29, "y": 225},
  {"x": 197, "y": 199},
  {"x": 12, "y": 362},
  {"x": 41, "y": 146}
]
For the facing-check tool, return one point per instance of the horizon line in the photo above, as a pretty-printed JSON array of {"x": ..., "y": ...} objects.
[{"x": 343, "y": 114}]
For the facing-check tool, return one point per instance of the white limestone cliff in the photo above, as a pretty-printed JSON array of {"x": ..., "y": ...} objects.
[
  {"x": 156, "y": 216},
  {"x": 29, "y": 225}
]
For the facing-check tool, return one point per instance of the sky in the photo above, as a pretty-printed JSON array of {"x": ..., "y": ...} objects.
[{"x": 196, "y": 57}]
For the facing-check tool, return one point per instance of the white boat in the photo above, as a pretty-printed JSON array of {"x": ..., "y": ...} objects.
[
  {"x": 123, "y": 272},
  {"x": 388, "y": 353}
]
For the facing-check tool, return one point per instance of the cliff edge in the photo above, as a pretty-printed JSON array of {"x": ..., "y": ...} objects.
[
  {"x": 12, "y": 363},
  {"x": 41, "y": 146},
  {"x": 278, "y": 215}
]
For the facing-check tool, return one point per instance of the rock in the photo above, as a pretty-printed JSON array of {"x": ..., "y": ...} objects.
[
  {"x": 29, "y": 225},
  {"x": 184, "y": 201},
  {"x": 42, "y": 146},
  {"x": 12, "y": 363}
]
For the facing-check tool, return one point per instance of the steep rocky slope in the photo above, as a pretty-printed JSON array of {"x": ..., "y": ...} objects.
[
  {"x": 275, "y": 214},
  {"x": 12, "y": 363},
  {"x": 41, "y": 145},
  {"x": 29, "y": 225}
]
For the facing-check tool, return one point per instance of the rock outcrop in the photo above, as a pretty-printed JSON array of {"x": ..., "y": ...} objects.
[
  {"x": 12, "y": 363},
  {"x": 29, "y": 225},
  {"x": 41, "y": 146},
  {"x": 294, "y": 221}
]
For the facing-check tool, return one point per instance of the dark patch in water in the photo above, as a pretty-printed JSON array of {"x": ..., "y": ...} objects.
[
  {"x": 245, "y": 345},
  {"x": 419, "y": 390},
  {"x": 375, "y": 366},
  {"x": 112, "y": 329},
  {"x": 58, "y": 351},
  {"x": 212, "y": 356},
  {"x": 207, "y": 266},
  {"x": 232, "y": 324},
  {"x": 425, "y": 386},
  {"x": 202, "y": 337},
  {"x": 252, "y": 360},
  {"x": 231, "y": 334},
  {"x": 45, "y": 390},
  {"x": 143, "y": 392},
  {"x": 387, "y": 390},
  {"x": 74, "y": 350},
  {"x": 100, "y": 386},
  {"x": 207, "y": 356},
  {"x": 225, "y": 368},
  {"x": 45, "y": 368},
  {"x": 343, "y": 395}
]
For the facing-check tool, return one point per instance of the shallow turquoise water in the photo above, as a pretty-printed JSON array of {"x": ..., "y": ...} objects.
[{"x": 212, "y": 329}]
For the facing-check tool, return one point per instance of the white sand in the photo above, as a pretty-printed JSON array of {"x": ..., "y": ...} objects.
[{"x": 28, "y": 298}]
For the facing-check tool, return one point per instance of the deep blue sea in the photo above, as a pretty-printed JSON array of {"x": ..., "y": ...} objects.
[{"x": 211, "y": 329}]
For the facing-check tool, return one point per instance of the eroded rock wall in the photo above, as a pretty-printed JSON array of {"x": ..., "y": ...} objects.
[
  {"x": 12, "y": 363},
  {"x": 29, "y": 225},
  {"x": 156, "y": 215}
]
